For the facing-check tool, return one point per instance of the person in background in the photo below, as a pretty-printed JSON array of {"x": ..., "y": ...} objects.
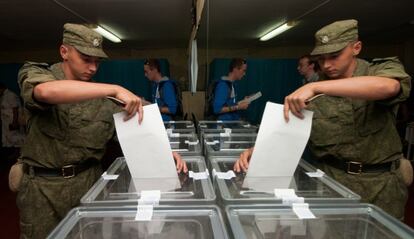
[
  {"x": 12, "y": 124},
  {"x": 163, "y": 89},
  {"x": 224, "y": 102},
  {"x": 308, "y": 68},
  {"x": 70, "y": 122},
  {"x": 353, "y": 138}
]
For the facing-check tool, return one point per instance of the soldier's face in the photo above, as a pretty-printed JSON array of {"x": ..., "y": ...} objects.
[
  {"x": 81, "y": 66},
  {"x": 338, "y": 64}
]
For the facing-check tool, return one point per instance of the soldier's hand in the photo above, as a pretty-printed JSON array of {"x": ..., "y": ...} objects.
[
  {"x": 180, "y": 164},
  {"x": 133, "y": 104},
  {"x": 297, "y": 100},
  {"x": 242, "y": 164}
]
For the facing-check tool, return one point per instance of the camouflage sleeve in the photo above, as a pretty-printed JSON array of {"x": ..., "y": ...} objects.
[
  {"x": 30, "y": 75},
  {"x": 391, "y": 67}
]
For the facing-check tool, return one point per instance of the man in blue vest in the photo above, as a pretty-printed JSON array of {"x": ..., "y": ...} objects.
[
  {"x": 163, "y": 89},
  {"x": 224, "y": 103}
]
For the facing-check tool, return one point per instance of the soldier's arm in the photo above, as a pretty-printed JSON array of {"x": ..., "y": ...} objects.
[
  {"x": 72, "y": 91},
  {"x": 361, "y": 87}
]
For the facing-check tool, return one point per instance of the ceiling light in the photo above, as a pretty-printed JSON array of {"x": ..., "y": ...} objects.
[
  {"x": 284, "y": 27},
  {"x": 108, "y": 35}
]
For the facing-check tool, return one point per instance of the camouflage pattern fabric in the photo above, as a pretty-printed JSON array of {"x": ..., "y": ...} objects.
[
  {"x": 58, "y": 135},
  {"x": 363, "y": 131}
]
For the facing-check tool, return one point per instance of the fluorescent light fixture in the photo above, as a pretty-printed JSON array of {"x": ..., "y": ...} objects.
[
  {"x": 277, "y": 31},
  {"x": 108, "y": 35}
]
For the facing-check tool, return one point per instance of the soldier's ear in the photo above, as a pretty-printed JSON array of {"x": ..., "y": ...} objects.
[
  {"x": 356, "y": 48},
  {"x": 64, "y": 51}
]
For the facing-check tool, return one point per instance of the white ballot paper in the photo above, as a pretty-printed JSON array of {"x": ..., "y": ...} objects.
[
  {"x": 253, "y": 97},
  {"x": 279, "y": 145},
  {"x": 145, "y": 146}
]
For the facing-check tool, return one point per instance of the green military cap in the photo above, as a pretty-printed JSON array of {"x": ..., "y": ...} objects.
[
  {"x": 84, "y": 39},
  {"x": 335, "y": 36}
]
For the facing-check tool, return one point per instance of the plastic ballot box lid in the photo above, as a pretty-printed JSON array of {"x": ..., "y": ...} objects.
[
  {"x": 226, "y": 127},
  {"x": 116, "y": 187},
  {"x": 183, "y": 124},
  {"x": 234, "y": 137},
  {"x": 347, "y": 221},
  {"x": 307, "y": 185},
  {"x": 227, "y": 148},
  {"x": 142, "y": 222},
  {"x": 187, "y": 144}
]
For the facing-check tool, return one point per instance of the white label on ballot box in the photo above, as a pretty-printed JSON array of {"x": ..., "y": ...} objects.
[
  {"x": 302, "y": 211},
  {"x": 224, "y": 175},
  {"x": 144, "y": 213},
  {"x": 149, "y": 197},
  {"x": 106, "y": 176},
  {"x": 191, "y": 142},
  {"x": 318, "y": 174},
  {"x": 199, "y": 175},
  {"x": 288, "y": 196}
]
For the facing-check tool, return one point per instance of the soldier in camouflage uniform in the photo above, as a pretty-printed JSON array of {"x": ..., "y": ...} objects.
[
  {"x": 70, "y": 122},
  {"x": 353, "y": 135}
]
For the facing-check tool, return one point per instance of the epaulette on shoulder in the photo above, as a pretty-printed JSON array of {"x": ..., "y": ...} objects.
[
  {"x": 385, "y": 59},
  {"x": 38, "y": 64}
]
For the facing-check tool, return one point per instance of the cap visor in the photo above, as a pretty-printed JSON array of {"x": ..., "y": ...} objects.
[
  {"x": 326, "y": 49},
  {"x": 91, "y": 51}
]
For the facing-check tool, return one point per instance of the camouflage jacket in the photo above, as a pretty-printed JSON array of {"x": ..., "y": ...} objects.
[
  {"x": 360, "y": 130},
  {"x": 62, "y": 134}
]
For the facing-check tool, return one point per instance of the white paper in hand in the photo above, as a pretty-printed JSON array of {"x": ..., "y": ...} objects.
[
  {"x": 253, "y": 97},
  {"x": 146, "y": 147},
  {"x": 279, "y": 145}
]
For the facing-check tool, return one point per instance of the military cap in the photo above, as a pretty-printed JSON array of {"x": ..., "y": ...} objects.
[
  {"x": 335, "y": 36},
  {"x": 84, "y": 39}
]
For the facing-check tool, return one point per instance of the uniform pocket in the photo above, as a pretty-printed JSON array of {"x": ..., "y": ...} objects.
[
  {"x": 326, "y": 131},
  {"x": 370, "y": 118},
  {"x": 93, "y": 133}
]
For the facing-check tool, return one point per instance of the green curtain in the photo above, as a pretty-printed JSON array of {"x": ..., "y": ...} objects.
[
  {"x": 129, "y": 74},
  {"x": 126, "y": 73},
  {"x": 275, "y": 78}
]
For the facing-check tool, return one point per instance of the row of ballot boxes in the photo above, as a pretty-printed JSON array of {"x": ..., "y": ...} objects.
[
  {"x": 211, "y": 201},
  {"x": 255, "y": 221}
]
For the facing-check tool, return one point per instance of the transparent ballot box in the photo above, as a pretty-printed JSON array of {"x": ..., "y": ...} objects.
[
  {"x": 224, "y": 128},
  {"x": 187, "y": 144},
  {"x": 308, "y": 185},
  {"x": 134, "y": 222},
  {"x": 232, "y": 137},
  {"x": 116, "y": 187},
  {"x": 331, "y": 221},
  {"x": 184, "y": 125},
  {"x": 226, "y": 148}
]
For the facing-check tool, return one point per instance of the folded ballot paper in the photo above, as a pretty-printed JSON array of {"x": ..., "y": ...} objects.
[
  {"x": 279, "y": 144},
  {"x": 146, "y": 147}
]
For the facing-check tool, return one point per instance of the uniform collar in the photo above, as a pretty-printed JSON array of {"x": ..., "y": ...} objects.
[{"x": 57, "y": 71}]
